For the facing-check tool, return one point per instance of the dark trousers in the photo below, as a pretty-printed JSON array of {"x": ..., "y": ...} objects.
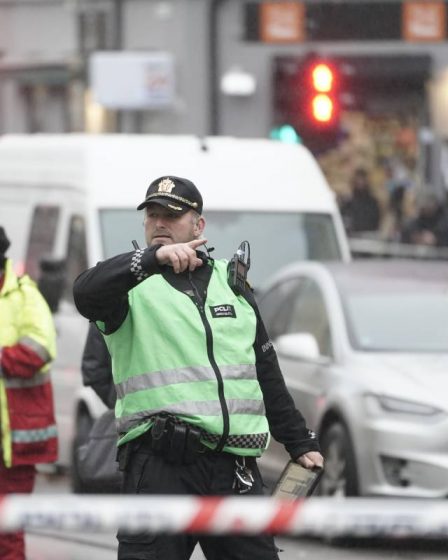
[
  {"x": 16, "y": 480},
  {"x": 211, "y": 474}
]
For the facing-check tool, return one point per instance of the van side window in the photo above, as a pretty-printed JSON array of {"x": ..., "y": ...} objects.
[
  {"x": 42, "y": 236},
  {"x": 76, "y": 253}
]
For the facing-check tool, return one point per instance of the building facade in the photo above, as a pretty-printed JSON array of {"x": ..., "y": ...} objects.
[{"x": 225, "y": 54}]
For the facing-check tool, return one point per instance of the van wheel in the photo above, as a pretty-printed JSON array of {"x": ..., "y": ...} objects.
[
  {"x": 84, "y": 424},
  {"x": 340, "y": 477}
]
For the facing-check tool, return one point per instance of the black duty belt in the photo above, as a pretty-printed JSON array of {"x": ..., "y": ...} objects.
[{"x": 183, "y": 443}]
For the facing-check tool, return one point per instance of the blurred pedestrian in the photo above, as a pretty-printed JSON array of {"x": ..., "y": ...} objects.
[
  {"x": 360, "y": 210},
  {"x": 430, "y": 225},
  {"x": 198, "y": 383},
  {"x": 27, "y": 348},
  {"x": 399, "y": 185}
]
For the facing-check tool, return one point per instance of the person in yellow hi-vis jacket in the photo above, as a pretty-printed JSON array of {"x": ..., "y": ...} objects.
[{"x": 27, "y": 420}]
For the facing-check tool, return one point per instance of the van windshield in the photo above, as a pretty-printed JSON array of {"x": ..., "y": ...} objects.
[{"x": 276, "y": 238}]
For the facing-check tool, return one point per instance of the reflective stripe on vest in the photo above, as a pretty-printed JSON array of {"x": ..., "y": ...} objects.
[
  {"x": 182, "y": 375},
  {"x": 37, "y": 348},
  {"x": 188, "y": 408},
  {"x": 22, "y": 383},
  {"x": 31, "y": 436}
]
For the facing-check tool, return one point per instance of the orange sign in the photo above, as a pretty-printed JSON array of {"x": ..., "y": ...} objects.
[
  {"x": 282, "y": 22},
  {"x": 424, "y": 21}
]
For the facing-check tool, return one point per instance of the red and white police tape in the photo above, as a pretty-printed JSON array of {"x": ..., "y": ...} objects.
[{"x": 319, "y": 517}]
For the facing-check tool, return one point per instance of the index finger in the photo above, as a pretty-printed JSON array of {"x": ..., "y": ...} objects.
[{"x": 196, "y": 243}]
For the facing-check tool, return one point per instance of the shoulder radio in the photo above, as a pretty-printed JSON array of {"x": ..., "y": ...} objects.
[{"x": 238, "y": 267}]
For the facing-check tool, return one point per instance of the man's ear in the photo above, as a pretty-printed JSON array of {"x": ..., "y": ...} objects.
[{"x": 199, "y": 226}]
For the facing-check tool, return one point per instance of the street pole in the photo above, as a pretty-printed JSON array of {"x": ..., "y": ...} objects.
[
  {"x": 214, "y": 56},
  {"x": 117, "y": 42}
]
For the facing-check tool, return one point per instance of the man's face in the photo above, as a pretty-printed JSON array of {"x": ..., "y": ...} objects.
[{"x": 165, "y": 227}]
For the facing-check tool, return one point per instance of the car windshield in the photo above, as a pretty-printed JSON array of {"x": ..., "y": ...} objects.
[
  {"x": 399, "y": 322},
  {"x": 275, "y": 238}
]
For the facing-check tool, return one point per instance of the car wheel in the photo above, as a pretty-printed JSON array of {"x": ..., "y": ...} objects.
[
  {"x": 84, "y": 424},
  {"x": 340, "y": 476}
]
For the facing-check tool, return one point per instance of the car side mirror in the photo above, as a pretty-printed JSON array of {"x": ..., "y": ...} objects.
[
  {"x": 52, "y": 280},
  {"x": 302, "y": 346}
]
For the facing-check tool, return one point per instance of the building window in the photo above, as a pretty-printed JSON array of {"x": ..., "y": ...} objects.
[
  {"x": 42, "y": 237},
  {"x": 46, "y": 107},
  {"x": 94, "y": 31}
]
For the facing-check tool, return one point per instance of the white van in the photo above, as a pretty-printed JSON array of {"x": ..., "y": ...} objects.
[{"x": 74, "y": 197}]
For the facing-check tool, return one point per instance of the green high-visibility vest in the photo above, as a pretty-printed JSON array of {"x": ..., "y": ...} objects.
[{"x": 197, "y": 362}]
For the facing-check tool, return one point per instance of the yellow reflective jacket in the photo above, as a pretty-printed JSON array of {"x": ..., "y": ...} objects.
[{"x": 27, "y": 420}]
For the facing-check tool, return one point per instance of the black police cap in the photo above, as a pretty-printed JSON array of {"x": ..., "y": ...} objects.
[{"x": 176, "y": 194}]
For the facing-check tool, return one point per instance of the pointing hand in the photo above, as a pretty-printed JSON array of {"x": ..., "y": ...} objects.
[{"x": 181, "y": 256}]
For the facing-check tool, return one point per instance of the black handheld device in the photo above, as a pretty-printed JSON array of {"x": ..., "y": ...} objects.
[{"x": 238, "y": 267}]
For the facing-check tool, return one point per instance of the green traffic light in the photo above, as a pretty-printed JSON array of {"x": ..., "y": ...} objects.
[{"x": 285, "y": 133}]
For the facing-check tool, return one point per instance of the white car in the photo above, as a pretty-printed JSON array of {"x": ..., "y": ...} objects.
[{"x": 363, "y": 348}]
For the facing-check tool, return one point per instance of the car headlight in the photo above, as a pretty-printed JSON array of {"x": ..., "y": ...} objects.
[{"x": 392, "y": 404}]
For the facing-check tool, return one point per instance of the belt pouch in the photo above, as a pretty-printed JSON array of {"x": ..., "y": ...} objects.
[
  {"x": 159, "y": 434},
  {"x": 193, "y": 446},
  {"x": 175, "y": 451}
]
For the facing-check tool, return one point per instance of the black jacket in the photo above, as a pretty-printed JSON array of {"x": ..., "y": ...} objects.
[
  {"x": 101, "y": 294},
  {"x": 96, "y": 367}
]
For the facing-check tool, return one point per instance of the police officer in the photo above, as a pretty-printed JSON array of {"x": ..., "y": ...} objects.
[
  {"x": 198, "y": 383},
  {"x": 28, "y": 429}
]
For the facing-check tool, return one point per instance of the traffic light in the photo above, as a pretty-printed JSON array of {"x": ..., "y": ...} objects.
[
  {"x": 321, "y": 94},
  {"x": 306, "y": 97}
]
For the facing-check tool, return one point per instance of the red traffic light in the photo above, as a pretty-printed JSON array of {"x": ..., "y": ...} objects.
[
  {"x": 322, "y": 91},
  {"x": 322, "y": 77},
  {"x": 323, "y": 108},
  {"x": 307, "y": 96}
]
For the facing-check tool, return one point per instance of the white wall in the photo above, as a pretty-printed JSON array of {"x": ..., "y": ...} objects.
[{"x": 40, "y": 31}]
